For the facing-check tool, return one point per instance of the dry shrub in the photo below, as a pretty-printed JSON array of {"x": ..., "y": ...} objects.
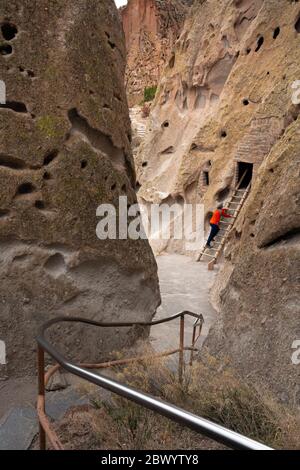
[
  {"x": 209, "y": 390},
  {"x": 145, "y": 110}
]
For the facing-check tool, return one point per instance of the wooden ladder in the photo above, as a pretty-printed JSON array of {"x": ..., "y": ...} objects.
[{"x": 234, "y": 205}]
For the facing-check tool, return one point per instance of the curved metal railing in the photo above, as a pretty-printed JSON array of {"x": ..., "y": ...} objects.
[{"x": 203, "y": 426}]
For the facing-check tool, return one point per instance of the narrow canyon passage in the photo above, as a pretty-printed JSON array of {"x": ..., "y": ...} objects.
[{"x": 184, "y": 285}]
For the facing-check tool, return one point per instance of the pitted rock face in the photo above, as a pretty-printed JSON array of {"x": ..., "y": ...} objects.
[
  {"x": 64, "y": 150},
  {"x": 151, "y": 28},
  {"x": 225, "y": 99}
]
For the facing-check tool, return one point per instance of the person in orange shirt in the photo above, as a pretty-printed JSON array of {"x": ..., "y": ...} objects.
[{"x": 214, "y": 223}]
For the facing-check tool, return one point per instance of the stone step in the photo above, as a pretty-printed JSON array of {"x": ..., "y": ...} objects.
[{"x": 20, "y": 425}]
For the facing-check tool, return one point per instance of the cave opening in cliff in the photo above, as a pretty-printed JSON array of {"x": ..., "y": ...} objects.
[
  {"x": 276, "y": 32},
  {"x": 206, "y": 178},
  {"x": 9, "y": 31},
  {"x": 244, "y": 174},
  {"x": 5, "y": 49},
  {"x": 260, "y": 42},
  {"x": 297, "y": 25}
]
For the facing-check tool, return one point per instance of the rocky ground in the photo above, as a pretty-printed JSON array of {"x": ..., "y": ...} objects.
[{"x": 18, "y": 421}]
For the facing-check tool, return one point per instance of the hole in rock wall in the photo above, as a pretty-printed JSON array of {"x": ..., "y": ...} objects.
[
  {"x": 9, "y": 31},
  {"x": 297, "y": 25},
  {"x": 83, "y": 164},
  {"x": 245, "y": 102},
  {"x": 46, "y": 176},
  {"x": 260, "y": 42},
  {"x": 223, "y": 134},
  {"x": 276, "y": 32},
  {"x": 222, "y": 194},
  {"x": 248, "y": 50},
  {"x": 137, "y": 186},
  {"x": 4, "y": 213},
  {"x": 144, "y": 164},
  {"x": 11, "y": 162},
  {"x": 25, "y": 188},
  {"x": 112, "y": 44},
  {"x": 172, "y": 61},
  {"x": 113, "y": 187},
  {"x": 55, "y": 265},
  {"x": 5, "y": 49},
  {"x": 15, "y": 106},
  {"x": 168, "y": 150},
  {"x": 165, "y": 124},
  {"x": 50, "y": 157},
  {"x": 206, "y": 178},
  {"x": 39, "y": 204},
  {"x": 244, "y": 173}
]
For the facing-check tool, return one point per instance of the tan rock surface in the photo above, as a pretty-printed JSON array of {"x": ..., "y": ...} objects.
[
  {"x": 64, "y": 150},
  {"x": 225, "y": 98},
  {"x": 260, "y": 304},
  {"x": 151, "y": 28}
]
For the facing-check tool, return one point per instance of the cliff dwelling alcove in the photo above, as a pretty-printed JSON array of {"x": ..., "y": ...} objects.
[
  {"x": 222, "y": 194},
  {"x": 244, "y": 173}
]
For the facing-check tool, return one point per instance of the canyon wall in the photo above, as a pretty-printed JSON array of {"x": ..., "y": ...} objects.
[
  {"x": 64, "y": 150},
  {"x": 225, "y": 100},
  {"x": 151, "y": 28},
  {"x": 259, "y": 284}
]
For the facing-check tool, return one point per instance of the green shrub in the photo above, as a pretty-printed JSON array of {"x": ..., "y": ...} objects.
[{"x": 149, "y": 93}]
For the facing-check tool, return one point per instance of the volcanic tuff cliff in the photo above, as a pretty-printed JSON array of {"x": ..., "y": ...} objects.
[
  {"x": 225, "y": 101},
  {"x": 64, "y": 150},
  {"x": 151, "y": 28}
]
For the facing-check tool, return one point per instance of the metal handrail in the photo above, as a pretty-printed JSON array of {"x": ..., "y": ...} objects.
[{"x": 205, "y": 427}]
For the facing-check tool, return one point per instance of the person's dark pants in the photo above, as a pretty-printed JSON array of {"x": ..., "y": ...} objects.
[{"x": 214, "y": 231}]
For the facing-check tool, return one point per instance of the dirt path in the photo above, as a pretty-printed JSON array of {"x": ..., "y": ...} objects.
[{"x": 184, "y": 285}]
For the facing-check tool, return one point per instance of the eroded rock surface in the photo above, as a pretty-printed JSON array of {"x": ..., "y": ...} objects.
[
  {"x": 151, "y": 28},
  {"x": 259, "y": 304},
  {"x": 224, "y": 99},
  {"x": 64, "y": 150}
]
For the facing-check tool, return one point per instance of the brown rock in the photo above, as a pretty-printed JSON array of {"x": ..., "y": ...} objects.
[
  {"x": 64, "y": 150},
  {"x": 225, "y": 99},
  {"x": 151, "y": 28}
]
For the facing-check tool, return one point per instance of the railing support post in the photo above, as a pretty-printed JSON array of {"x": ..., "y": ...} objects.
[
  {"x": 41, "y": 386},
  {"x": 193, "y": 344},
  {"x": 181, "y": 347}
]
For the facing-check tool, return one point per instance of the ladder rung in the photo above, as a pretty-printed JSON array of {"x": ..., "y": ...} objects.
[{"x": 210, "y": 256}]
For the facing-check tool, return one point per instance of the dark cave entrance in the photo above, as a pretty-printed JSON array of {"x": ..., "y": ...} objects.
[{"x": 244, "y": 174}]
